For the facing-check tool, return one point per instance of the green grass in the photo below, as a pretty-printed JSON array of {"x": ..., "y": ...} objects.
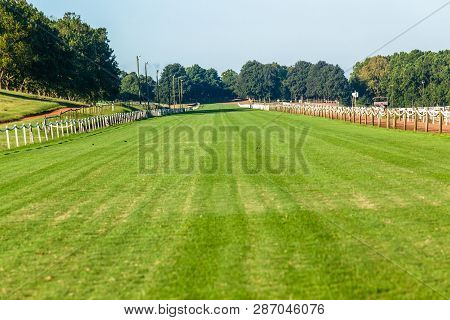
[
  {"x": 118, "y": 108},
  {"x": 371, "y": 219},
  {"x": 15, "y": 105}
]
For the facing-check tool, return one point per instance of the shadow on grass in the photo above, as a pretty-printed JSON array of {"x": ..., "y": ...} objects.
[{"x": 212, "y": 111}]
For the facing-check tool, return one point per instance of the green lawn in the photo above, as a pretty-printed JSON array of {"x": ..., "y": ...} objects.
[
  {"x": 15, "y": 106},
  {"x": 369, "y": 219}
]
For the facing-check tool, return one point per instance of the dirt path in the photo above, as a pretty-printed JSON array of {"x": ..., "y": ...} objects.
[{"x": 56, "y": 112}]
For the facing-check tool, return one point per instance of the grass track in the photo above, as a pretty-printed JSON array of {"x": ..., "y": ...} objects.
[{"x": 370, "y": 220}]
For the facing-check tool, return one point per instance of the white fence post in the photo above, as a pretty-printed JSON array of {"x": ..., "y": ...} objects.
[
  {"x": 7, "y": 138},
  {"x": 31, "y": 134},
  {"x": 44, "y": 125},
  {"x": 17, "y": 135},
  {"x": 39, "y": 132},
  {"x": 24, "y": 134}
]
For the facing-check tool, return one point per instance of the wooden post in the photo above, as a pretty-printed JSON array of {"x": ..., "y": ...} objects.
[
  {"x": 387, "y": 119},
  {"x": 441, "y": 120},
  {"x": 405, "y": 121},
  {"x": 57, "y": 129},
  {"x": 395, "y": 121},
  {"x": 415, "y": 120},
  {"x": 373, "y": 119},
  {"x": 7, "y": 138},
  {"x": 426, "y": 121}
]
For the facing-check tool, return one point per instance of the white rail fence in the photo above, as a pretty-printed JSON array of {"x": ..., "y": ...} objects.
[
  {"x": 435, "y": 119},
  {"x": 26, "y": 134}
]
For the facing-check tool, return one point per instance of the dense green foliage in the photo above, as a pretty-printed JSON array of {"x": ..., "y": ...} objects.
[
  {"x": 230, "y": 79},
  {"x": 65, "y": 57},
  {"x": 408, "y": 79},
  {"x": 130, "y": 84},
  {"x": 77, "y": 221},
  {"x": 303, "y": 80},
  {"x": 68, "y": 58},
  {"x": 196, "y": 83},
  {"x": 256, "y": 81}
]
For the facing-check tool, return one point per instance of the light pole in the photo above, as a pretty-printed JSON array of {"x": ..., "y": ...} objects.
[
  {"x": 180, "y": 81},
  {"x": 181, "y": 99},
  {"x": 157, "y": 86},
  {"x": 169, "y": 90},
  {"x": 174, "y": 95},
  {"x": 146, "y": 83},
  {"x": 139, "y": 80}
]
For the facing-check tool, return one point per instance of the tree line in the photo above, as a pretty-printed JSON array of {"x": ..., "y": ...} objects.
[
  {"x": 255, "y": 81},
  {"x": 68, "y": 58},
  {"x": 64, "y": 58},
  {"x": 190, "y": 84},
  {"x": 406, "y": 79}
]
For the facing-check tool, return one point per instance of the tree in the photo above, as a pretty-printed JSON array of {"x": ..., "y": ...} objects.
[
  {"x": 251, "y": 80},
  {"x": 93, "y": 66},
  {"x": 296, "y": 80},
  {"x": 58, "y": 58},
  {"x": 369, "y": 77},
  {"x": 409, "y": 79},
  {"x": 274, "y": 77},
  {"x": 169, "y": 81},
  {"x": 326, "y": 81},
  {"x": 129, "y": 87},
  {"x": 230, "y": 79}
]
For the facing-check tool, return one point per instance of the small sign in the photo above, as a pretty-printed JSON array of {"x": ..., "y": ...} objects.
[{"x": 355, "y": 94}]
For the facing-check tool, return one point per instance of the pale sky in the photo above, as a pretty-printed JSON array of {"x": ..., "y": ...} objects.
[{"x": 225, "y": 34}]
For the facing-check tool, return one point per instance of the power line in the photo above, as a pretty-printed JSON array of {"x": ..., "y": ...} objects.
[{"x": 404, "y": 32}]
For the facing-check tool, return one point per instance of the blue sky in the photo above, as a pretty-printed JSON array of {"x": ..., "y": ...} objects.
[{"x": 226, "y": 33}]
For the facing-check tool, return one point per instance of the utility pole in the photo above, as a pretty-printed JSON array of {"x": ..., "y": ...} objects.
[
  {"x": 169, "y": 90},
  {"x": 179, "y": 90},
  {"x": 181, "y": 93},
  {"x": 174, "y": 94},
  {"x": 157, "y": 86},
  {"x": 147, "y": 84},
  {"x": 139, "y": 80}
]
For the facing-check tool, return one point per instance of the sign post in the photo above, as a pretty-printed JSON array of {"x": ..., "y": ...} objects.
[{"x": 355, "y": 95}]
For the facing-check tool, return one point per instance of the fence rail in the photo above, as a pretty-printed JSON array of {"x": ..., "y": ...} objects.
[
  {"x": 436, "y": 119},
  {"x": 26, "y": 134}
]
